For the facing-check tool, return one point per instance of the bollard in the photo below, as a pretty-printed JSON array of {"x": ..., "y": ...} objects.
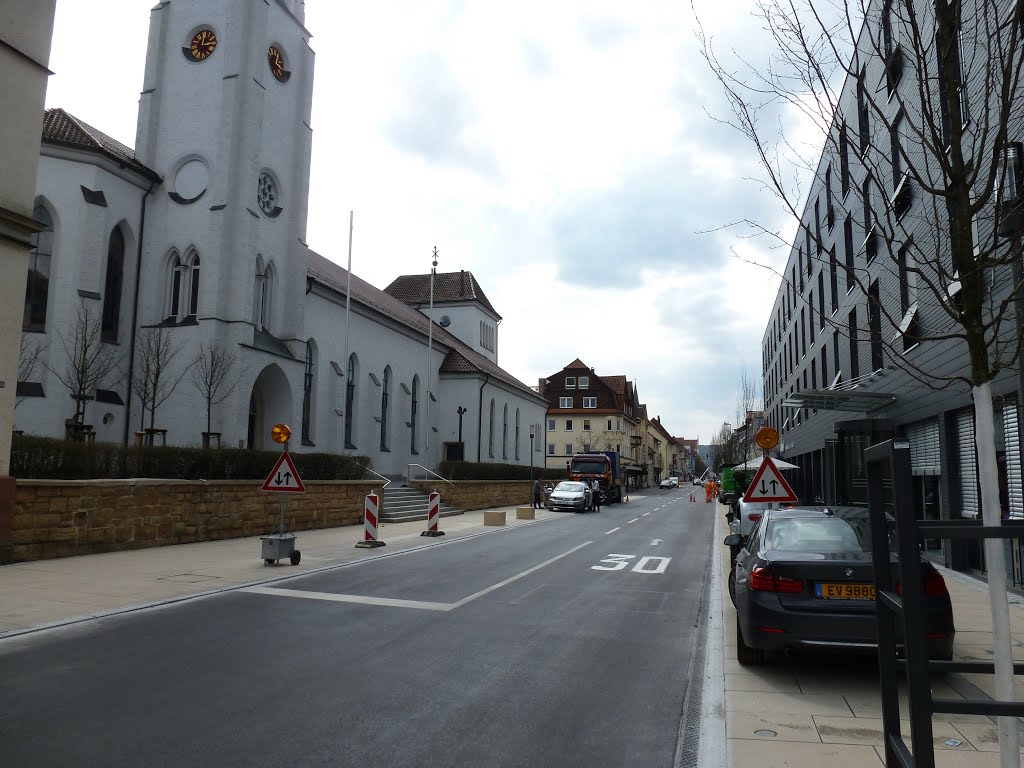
[
  {"x": 371, "y": 525},
  {"x": 433, "y": 515}
]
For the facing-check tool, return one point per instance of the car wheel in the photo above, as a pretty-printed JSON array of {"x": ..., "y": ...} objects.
[
  {"x": 732, "y": 585},
  {"x": 745, "y": 655}
]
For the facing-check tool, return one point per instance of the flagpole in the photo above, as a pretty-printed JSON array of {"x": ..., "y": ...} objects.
[
  {"x": 430, "y": 350},
  {"x": 348, "y": 308}
]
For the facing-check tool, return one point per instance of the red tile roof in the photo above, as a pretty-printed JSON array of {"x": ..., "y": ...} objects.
[{"x": 449, "y": 288}]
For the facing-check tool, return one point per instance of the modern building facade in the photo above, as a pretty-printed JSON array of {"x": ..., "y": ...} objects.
[
  {"x": 199, "y": 233},
  {"x": 862, "y": 344}
]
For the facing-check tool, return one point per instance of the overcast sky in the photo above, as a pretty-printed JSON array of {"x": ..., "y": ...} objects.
[{"x": 559, "y": 150}]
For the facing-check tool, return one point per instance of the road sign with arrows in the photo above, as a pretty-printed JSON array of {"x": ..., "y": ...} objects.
[
  {"x": 769, "y": 485},
  {"x": 283, "y": 477}
]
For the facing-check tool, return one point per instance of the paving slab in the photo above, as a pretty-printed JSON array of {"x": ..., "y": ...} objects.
[
  {"x": 757, "y": 753},
  {"x": 868, "y": 730},
  {"x": 771, "y": 727},
  {"x": 786, "y": 703},
  {"x": 983, "y": 737},
  {"x": 761, "y": 682}
]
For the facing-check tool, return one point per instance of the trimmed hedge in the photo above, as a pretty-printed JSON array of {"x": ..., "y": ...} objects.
[
  {"x": 47, "y": 458},
  {"x": 471, "y": 470}
]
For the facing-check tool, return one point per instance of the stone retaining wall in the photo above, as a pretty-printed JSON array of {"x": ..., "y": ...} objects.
[{"x": 62, "y": 518}]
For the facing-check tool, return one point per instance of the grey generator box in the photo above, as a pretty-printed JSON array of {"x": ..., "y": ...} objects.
[{"x": 277, "y": 546}]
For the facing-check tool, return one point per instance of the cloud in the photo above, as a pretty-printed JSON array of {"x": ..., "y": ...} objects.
[
  {"x": 604, "y": 32},
  {"x": 537, "y": 59},
  {"x": 437, "y": 117}
]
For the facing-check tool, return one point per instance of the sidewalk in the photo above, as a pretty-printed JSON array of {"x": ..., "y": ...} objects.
[
  {"x": 48, "y": 593},
  {"x": 813, "y": 711}
]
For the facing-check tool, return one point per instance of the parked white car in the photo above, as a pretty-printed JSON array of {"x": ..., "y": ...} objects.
[{"x": 669, "y": 482}]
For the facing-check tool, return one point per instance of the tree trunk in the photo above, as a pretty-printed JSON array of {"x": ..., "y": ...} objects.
[{"x": 995, "y": 565}]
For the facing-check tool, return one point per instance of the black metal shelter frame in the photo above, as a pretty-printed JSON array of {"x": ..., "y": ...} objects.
[{"x": 905, "y": 611}]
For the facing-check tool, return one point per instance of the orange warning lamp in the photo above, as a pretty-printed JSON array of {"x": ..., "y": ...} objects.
[
  {"x": 767, "y": 438},
  {"x": 282, "y": 432}
]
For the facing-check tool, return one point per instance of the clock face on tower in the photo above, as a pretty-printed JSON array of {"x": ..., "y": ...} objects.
[
  {"x": 276, "y": 60},
  {"x": 203, "y": 44}
]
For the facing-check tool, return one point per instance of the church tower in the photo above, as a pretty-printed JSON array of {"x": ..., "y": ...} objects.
[{"x": 224, "y": 118}]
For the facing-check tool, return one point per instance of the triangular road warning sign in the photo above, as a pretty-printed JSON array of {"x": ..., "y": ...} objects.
[
  {"x": 769, "y": 484},
  {"x": 283, "y": 477}
]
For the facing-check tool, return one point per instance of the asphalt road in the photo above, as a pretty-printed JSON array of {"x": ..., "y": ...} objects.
[{"x": 562, "y": 643}]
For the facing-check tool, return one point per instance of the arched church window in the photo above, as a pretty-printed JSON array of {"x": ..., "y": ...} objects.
[
  {"x": 193, "y": 291},
  {"x": 350, "y": 400},
  {"x": 413, "y": 408},
  {"x": 177, "y": 269},
  {"x": 112, "y": 287},
  {"x": 384, "y": 396},
  {"x": 262, "y": 295},
  {"x": 490, "y": 432},
  {"x": 309, "y": 373},
  {"x": 37, "y": 288},
  {"x": 517, "y": 435},
  {"x": 504, "y": 433}
]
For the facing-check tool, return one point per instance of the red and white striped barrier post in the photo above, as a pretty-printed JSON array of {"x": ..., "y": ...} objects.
[
  {"x": 371, "y": 523},
  {"x": 433, "y": 515}
]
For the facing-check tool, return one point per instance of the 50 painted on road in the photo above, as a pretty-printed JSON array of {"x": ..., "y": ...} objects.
[{"x": 646, "y": 564}]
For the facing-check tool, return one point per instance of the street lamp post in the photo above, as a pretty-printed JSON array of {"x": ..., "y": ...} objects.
[{"x": 430, "y": 350}]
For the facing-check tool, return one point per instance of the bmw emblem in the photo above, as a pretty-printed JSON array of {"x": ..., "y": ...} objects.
[{"x": 848, "y": 572}]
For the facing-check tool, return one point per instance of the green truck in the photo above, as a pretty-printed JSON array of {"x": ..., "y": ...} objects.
[{"x": 732, "y": 484}]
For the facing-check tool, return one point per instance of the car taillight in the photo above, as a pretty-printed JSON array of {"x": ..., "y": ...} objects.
[
  {"x": 754, "y": 518},
  {"x": 934, "y": 584},
  {"x": 931, "y": 581},
  {"x": 763, "y": 579}
]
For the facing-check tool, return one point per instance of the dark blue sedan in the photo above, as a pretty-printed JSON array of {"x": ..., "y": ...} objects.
[{"x": 803, "y": 579}]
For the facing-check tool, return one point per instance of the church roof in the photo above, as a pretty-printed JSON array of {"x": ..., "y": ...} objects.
[
  {"x": 460, "y": 358},
  {"x": 60, "y": 127},
  {"x": 449, "y": 288}
]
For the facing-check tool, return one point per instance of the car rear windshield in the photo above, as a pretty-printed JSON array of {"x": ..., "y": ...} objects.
[
  {"x": 570, "y": 487},
  {"x": 819, "y": 534},
  {"x": 590, "y": 467}
]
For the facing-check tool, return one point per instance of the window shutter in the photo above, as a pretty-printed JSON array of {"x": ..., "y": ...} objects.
[
  {"x": 968, "y": 468},
  {"x": 1013, "y": 460},
  {"x": 924, "y": 448}
]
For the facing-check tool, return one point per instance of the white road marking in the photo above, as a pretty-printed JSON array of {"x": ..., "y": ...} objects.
[
  {"x": 396, "y": 603},
  {"x": 362, "y": 599},
  {"x": 527, "y": 572},
  {"x": 645, "y": 514},
  {"x": 655, "y": 542},
  {"x": 633, "y": 520},
  {"x": 613, "y": 530}
]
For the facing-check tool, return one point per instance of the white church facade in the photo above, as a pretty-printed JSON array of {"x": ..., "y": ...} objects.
[{"x": 200, "y": 231}]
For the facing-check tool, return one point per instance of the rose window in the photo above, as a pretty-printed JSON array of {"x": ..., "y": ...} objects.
[{"x": 266, "y": 195}]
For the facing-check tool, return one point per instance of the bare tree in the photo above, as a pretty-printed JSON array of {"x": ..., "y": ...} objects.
[
  {"x": 155, "y": 382},
  {"x": 725, "y": 448},
  {"x": 595, "y": 441},
  {"x": 923, "y": 99},
  {"x": 87, "y": 361},
  {"x": 213, "y": 376},
  {"x": 28, "y": 361},
  {"x": 748, "y": 404}
]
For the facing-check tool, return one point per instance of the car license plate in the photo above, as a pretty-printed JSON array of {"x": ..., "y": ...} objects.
[{"x": 846, "y": 591}]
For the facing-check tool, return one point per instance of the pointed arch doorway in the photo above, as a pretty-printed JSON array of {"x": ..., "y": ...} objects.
[{"x": 270, "y": 403}]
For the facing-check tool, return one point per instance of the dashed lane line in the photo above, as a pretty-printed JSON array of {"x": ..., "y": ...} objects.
[
  {"x": 613, "y": 530},
  {"x": 633, "y": 520}
]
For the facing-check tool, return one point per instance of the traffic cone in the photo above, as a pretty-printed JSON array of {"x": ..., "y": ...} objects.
[{"x": 627, "y": 498}]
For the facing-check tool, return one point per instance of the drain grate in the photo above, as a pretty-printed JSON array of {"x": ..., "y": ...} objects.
[{"x": 688, "y": 744}]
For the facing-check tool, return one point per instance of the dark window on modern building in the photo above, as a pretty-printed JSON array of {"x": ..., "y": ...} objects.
[
  {"x": 830, "y": 211},
  {"x": 848, "y": 243},
  {"x": 824, "y": 367},
  {"x": 844, "y": 160},
  {"x": 800, "y": 257},
  {"x": 811, "y": 322},
  {"x": 833, "y": 269},
  {"x": 112, "y": 287},
  {"x": 803, "y": 331},
  {"x": 870, "y": 237},
  {"x": 854, "y": 356},
  {"x": 863, "y": 124},
  {"x": 895, "y": 151},
  {"x": 875, "y": 326},
  {"x": 835, "y": 355},
  {"x": 821, "y": 300},
  {"x": 817, "y": 227},
  {"x": 901, "y": 264},
  {"x": 807, "y": 243}
]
